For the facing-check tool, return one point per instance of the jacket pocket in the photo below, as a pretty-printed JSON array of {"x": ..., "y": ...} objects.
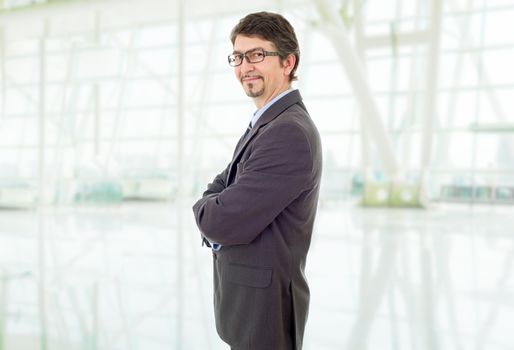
[{"x": 250, "y": 276}]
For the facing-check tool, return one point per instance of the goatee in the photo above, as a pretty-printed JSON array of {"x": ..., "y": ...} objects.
[{"x": 251, "y": 93}]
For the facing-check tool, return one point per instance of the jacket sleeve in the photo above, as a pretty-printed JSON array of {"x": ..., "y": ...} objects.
[
  {"x": 215, "y": 187},
  {"x": 218, "y": 184},
  {"x": 278, "y": 170}
]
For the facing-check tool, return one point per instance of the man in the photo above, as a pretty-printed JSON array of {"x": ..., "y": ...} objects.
[{"x": 258, "y": 214}]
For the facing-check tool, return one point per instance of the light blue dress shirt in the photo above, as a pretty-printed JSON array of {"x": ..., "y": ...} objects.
[{"x": 257, "y": 114}]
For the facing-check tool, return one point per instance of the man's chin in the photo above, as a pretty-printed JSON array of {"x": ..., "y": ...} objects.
[
  {"x": 251, "y": 92},
  {"x": 254, "y": 94}
]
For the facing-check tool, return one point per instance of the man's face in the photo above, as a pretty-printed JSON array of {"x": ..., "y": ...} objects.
[{"x": 263, "y": 80}]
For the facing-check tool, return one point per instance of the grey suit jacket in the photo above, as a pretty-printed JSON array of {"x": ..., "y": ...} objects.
[{"x": 261, "y": 208}]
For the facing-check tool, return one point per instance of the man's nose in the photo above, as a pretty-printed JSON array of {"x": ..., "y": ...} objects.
[{"x": 247, "y": 66}]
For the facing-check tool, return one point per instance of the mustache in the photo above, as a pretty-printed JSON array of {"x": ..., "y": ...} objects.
[{"x": 250, "y": 76}]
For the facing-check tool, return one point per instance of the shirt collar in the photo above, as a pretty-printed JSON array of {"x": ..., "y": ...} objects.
[{"x": 257, "y": 114}]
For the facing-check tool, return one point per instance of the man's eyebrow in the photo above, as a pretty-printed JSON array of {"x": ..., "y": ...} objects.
[{"x": 255, "y": 48}]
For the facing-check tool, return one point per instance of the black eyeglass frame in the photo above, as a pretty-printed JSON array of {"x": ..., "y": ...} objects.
[{"x": 244, "y": 55}]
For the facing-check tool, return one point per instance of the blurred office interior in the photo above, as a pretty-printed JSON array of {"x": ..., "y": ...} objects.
[{"x": 115, "y": 114}]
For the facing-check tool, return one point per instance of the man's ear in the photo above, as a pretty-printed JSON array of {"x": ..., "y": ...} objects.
[{"x": 289, "y": 63}]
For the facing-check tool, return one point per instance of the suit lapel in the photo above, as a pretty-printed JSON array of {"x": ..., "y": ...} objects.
[{"x": 271, "y": 113}]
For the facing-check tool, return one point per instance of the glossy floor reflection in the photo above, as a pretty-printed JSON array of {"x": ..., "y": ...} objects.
[{"x": 134, "y": 277}]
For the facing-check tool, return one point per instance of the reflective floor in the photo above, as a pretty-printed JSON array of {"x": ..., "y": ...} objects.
[{"x": 134, "y": 277}]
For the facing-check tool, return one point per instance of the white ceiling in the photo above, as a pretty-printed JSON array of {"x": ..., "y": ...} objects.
[{"x": 65, "y": 16}]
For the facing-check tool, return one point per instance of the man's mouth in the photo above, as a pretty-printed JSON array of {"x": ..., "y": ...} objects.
[{"x": 250, "y": 78}]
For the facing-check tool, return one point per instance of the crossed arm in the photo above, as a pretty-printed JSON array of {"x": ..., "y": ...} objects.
[{"x": 278, "y": 171}]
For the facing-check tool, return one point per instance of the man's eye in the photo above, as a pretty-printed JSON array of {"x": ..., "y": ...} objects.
[{"x": 256, "y": 56}]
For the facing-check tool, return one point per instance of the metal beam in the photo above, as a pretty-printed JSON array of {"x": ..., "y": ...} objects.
[
  {"x": 398, "y": 39},
  {"x": 2, "y": 72},
  {"x": 118, "y": 120},
  {"x": 3, "y": 308},
  {"x": 179, "y": 243},
  {"x": 42, "y": 114},
  {"x": 96, "y": 95},
  {"x": 365, "y": 141},
  {"x": 493, "y": 127},
  {"x": 41, "y": 290},
  {"x": 431, "y": 90},
  {"x": 370, "y": 115}
]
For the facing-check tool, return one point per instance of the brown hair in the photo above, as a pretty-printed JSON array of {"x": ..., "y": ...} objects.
[{"x": 271, "y": 27}]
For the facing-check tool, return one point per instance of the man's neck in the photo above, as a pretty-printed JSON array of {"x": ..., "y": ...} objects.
[{"x": 259, "y": 103}]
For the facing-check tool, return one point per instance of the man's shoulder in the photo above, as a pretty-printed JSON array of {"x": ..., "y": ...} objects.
[
  {"x": 295, "y": 114},
  {"x": 292, "y": 124}
]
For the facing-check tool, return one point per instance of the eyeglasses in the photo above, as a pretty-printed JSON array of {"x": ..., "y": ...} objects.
[{"x": 252, "y": 56}]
